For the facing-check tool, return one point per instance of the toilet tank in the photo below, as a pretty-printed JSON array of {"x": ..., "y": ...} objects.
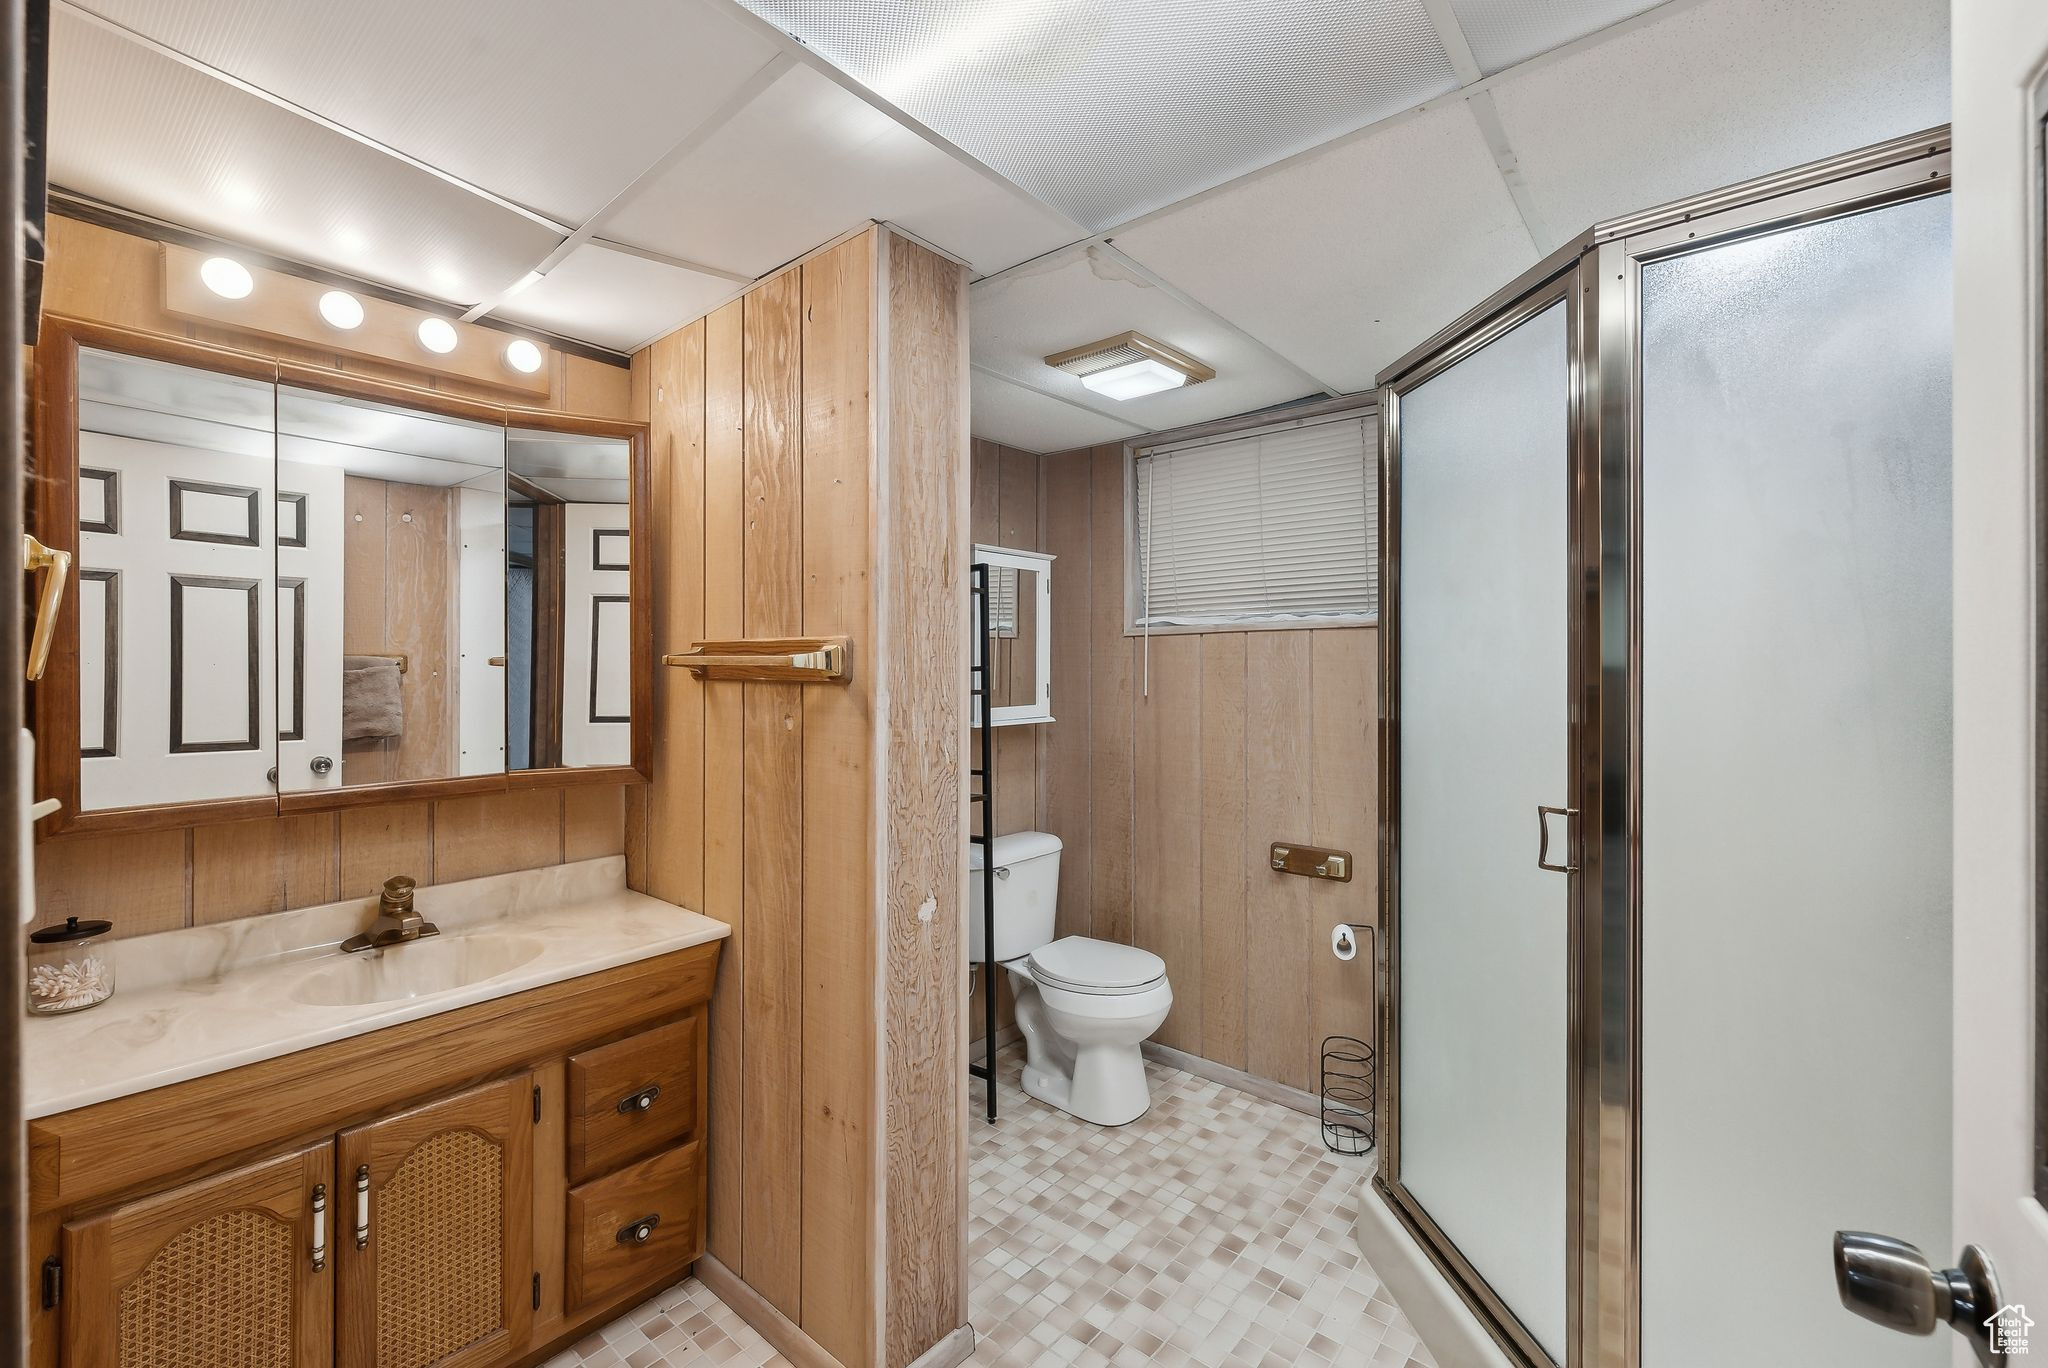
[{"x": 1027, "y": 891}]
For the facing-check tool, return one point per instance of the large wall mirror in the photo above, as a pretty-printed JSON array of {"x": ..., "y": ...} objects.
[{"x": 295, "y": 591}]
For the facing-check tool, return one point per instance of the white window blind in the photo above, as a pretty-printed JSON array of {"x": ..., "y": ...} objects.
[{"x": 1269, "y": 525}]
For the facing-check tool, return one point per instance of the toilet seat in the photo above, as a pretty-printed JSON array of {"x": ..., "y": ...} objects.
[{"x": 1080, "y": 964}]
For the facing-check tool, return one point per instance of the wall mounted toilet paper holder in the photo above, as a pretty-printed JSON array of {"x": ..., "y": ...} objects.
[{"x": 1344, "y": 938}]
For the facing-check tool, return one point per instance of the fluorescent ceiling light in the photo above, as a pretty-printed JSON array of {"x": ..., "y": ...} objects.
[
  {"x": 1135, "y": 379},
  {"x": 437, "y": 335},
  {"x": 523, "y": 356},
  {"x": 1130, "y": 366},
  {"x": 228, "y": 279},
  {"x": 342, "y": 309}
]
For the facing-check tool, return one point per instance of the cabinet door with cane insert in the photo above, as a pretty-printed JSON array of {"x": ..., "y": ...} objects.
[
  {"x": 232, "y": 1271},
  {"x": 436, "y": 1232}
]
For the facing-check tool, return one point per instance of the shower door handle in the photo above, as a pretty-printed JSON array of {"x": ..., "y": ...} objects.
[
  {"x": 1543, "y": 816},
  {"x": 1892, "y": 1284}
]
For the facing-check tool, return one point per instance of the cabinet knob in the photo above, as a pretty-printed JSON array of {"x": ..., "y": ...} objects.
[
  {"x": 639, "y": 1101},
  {"x": 640, "y": 1231}
]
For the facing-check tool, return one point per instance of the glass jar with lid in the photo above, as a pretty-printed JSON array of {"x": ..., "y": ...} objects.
[{"x": 70, "y": 967}]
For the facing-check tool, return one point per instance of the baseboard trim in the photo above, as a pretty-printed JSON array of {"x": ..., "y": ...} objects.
[
  {"x": 1005, "y": 1036},
  {"x": 953, "y": 1349},
  {"x": 1293, "y": 1098},
  {"x": 756, "y": 1310}
]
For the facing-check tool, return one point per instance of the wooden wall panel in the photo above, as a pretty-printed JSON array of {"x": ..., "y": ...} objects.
[
  {"x": 1063, "y": 747},
  {"x": 838, "y": 808},
  {"x": 1113, "y": 696},
  {"x": 923, "y": 554},
  {"x": 1166, "y": 830},
  {"x": 830, "y": 821},
  {"x": 772, "y": 808},
  {"x": 1344, "y": 704},
  {"x": 245, "y": 869},
  {"x": 1225, "y": 928},
  {"x": 1283, "y": 748},
  {"x": 191, "y": 876},
  {"x": 675, "y": 400},
  {"x": 724, "y": 777},
  {"x": 1276, "y": 770}
]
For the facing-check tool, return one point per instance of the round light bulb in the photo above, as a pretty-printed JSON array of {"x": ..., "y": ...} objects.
[
  {"x": 341, "y": 309},
  {"x": 522, "y": 356},
  {"x": 437, "y": 335},
  {"x": 228, "y": 279}
]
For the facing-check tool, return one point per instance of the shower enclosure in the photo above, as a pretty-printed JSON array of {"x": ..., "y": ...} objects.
[{"x": 1665, "y": 712}]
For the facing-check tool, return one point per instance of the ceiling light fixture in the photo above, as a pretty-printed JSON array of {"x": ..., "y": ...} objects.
[
  {"x": 341, "y": 310},
  {"x": 437, "y": 335},
  {"x": 522, "y": 356},
  {"x": 1130, "y": 366},
  {"x": 226, "y": 278}
]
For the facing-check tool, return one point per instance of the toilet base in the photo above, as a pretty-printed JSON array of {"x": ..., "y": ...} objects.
[
  {"x": 1098, "y": 1081},
  {"x": 1108, "y": 1086}
]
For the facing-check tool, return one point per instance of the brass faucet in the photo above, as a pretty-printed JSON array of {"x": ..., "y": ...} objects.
[{"x": 397, "y": 921}]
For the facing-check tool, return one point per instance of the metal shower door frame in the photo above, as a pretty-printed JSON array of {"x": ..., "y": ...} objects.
[{"x": 1599, "y": 273}]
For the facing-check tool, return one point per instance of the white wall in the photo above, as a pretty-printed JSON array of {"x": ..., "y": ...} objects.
[{"x": 1997, "y": 45}]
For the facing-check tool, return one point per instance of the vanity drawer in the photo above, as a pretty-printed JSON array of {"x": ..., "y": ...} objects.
[
  {"x": 631, "y": 1227},
  {"x": 632, "y": 1096}
]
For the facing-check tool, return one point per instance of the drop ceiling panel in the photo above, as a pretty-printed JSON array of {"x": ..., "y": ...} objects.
[
  {"x": 552, "y": 109},
  {"x": 1105, "y": 111},
  {"x": 1719, "y": 92},
  {"x": 1029, "y": 421},
  {"x": 147, "y": 133},
  {"x": 1019, "y": 319},
  {"x": 1343, "y": 259},
  {"x": 805, "y": 161},
  {"x": 614, "y": 299},
  {"x": 1504, "y": 32}
]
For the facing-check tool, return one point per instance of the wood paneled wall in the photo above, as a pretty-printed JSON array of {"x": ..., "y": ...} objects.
[
  {"x": 1167, "y": 780},
  {"x": 161, "y": 880},
  {"x": 823, "y": 823},
  {"x": 400, "y": 568}
]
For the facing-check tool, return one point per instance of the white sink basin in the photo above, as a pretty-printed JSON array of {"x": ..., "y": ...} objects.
[{"x": 413, "y": 969}]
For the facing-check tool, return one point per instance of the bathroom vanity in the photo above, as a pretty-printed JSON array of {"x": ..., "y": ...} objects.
[{"x": 462, "y": 1150}]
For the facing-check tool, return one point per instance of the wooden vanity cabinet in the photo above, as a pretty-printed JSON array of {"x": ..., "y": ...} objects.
[{"x": 510, "y": 1198}]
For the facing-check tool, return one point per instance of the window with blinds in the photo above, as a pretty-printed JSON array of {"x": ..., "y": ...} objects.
[{"x": 1270, "y": 525}]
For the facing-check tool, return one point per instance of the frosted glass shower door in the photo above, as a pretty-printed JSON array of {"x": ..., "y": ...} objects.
[
  {"x": 1483, "y": 732},
  {"x": 1795, "y": 782}
]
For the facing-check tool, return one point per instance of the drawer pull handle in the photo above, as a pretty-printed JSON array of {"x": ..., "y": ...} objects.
[
  {"x": 639, "y": 1101},
  {"x": 363, "y": 1207},
  {"x": 640, "y": 1231},
  {"x": 319, "y": 1226}
]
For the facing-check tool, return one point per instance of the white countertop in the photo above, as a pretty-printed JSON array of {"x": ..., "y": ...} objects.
[{"x": 197, "y": 1001}]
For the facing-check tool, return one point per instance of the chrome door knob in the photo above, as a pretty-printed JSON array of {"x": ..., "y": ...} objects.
[
  {"x": 322, "y": 764},
  {"x": 1891, "y": 1283}
]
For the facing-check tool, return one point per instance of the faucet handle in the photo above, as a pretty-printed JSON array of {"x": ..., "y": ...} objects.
[{"x": 398, "y": 892}]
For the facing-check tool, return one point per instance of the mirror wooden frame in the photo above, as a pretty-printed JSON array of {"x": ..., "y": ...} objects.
[{"x": 54, "y": 520}]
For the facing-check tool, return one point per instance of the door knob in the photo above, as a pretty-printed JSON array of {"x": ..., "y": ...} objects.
[
  {"x": 322, "y": 764},
  {"x": 1891, "y": 1283}
]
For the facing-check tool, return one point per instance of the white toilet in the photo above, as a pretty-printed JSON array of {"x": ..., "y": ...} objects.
[{"x": 1083, "y": 1006}]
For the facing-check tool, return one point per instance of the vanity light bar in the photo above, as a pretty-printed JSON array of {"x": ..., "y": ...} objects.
[{"x": 222, "y": 292}]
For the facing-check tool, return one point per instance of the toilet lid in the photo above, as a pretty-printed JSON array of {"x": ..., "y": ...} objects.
[{"x": 1094, "y": 966}]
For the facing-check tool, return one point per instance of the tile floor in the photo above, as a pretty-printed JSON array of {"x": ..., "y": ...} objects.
[{"x": 1213, "y": 1231}]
